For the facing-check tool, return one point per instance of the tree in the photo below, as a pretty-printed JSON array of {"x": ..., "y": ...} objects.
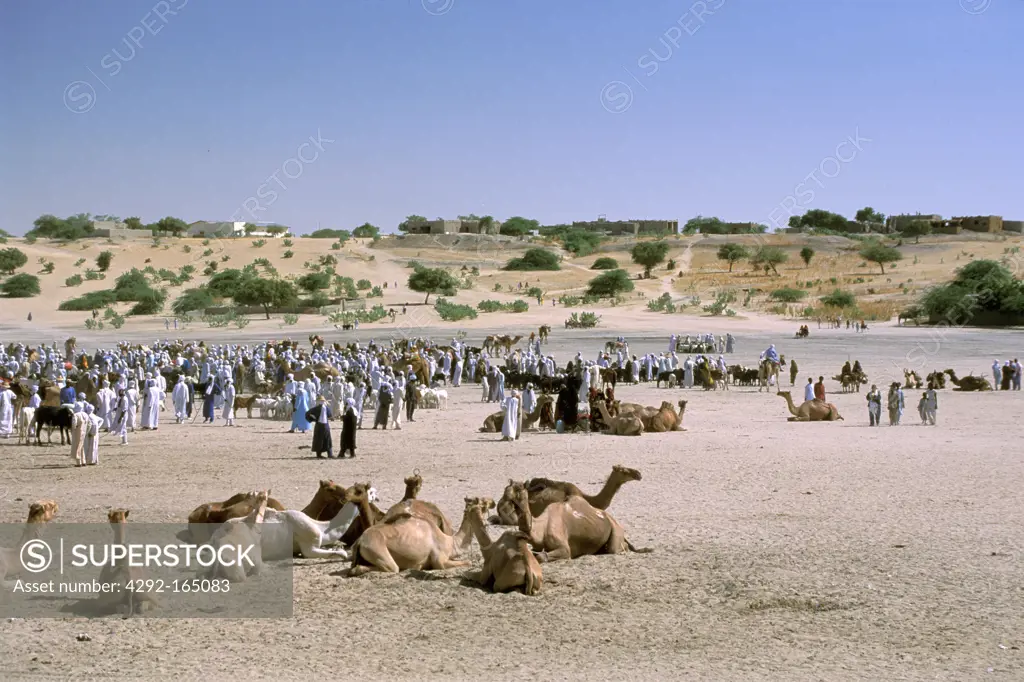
[
  {"x": 709, "y": 225},
  {"x": 269, "y": 293},
  {"x": 276, "y": 229},
  {"x": 171, "y": 225},
  {"x": 768, "y": 257},
  {"x": 11, "y": 259},
  {"x": 838, "y": 299},
  {"x": 103, "y": 260},
  {"x": 649, "y": 255},
  {"x": 251, "y": 227},
  {"x": 52, "y": 227},
  {"x": 199, "y": 298},
  {"x": 869, "y": 215},
  {"x": 225, "y": 283},
  {"x": 733, "y": 253},
  {"x": 610, "y": 284},
  {"x": 366, "y": 230},
  {"x": 581, "y": 242},
  {"x": 817, "y": 217},
  {"x": 433, "y": 281},
  {"x": 20, "y": 286},
  {"x": 314, "y": 281},
  {"x": 806, "y": 255},
  {"x": 917, "y": 229},
  {"x": 404, "y": 225},
  {"x": 534, "y": 259},
  {"x": 340, "y": 235},
  {"x": 877, "y": 252},
  {"x": 517, "y": 226},
  {"x": 605, "y": 263},
  {"x": 134, "y": 223}
]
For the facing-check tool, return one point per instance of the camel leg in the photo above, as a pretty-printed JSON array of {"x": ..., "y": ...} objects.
[
  {"x": 309, "y": 551},
  {"x": 378, "y": 560},
  {"x": 441, "y": 563},
  {"x": 556, "y": 554},
  {"x": 616, "y": 541}
]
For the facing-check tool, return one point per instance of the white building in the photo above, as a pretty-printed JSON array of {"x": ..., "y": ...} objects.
[{"x": 206, "y": 228}]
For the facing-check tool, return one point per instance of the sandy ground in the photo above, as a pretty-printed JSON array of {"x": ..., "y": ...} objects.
[{"x": 781, "y": 550}]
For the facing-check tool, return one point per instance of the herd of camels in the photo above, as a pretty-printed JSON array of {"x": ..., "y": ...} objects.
[{"x": 551, "y": 520}]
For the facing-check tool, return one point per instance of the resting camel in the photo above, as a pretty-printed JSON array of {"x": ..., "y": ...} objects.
[
  {"x": 811, "y": 410},
  {"x": 544, "y": 491},
  {"x": 508, "y": 561},
  {"x": 936, "y": 379},
  {"x": 204, "y": 519},
  {"x": 410, "y": 506},
  {"x": 626, "y": 425},
  {"x": 913, "y": 379},
  {"x": 122, "y": 573},
  {"x": 406, "y": 543},
  {"x": 292, "y": 532},
  {"x": 496, "y": 421},
  {"x": 656, "y": 420},
  {"x": 969, "y": 382},
  {"x": 39, "y": 513},
  {"x": 569, "y": 529},
  {"x": 241, "y": 533}
]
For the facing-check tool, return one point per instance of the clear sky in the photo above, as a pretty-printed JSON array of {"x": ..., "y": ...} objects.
[{"x": 558, "y": 111}]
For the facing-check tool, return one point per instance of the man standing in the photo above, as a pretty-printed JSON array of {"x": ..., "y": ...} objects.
[
  {"x": 996, "y": 374},
  {"x": 320, "y": 416},
  {"x": 179, "y": 396},
  {"x": 793, "y": 371},
  {"x": 875, "y": 406},
  {"x": 410, "y": 398},
  {"x": 895, "y": 404},
  {"x": 809, "y": 390},
  {"x": 67, "y": 394},
  {"x": 931, "y": 404},
  {"x": 7, "y": 399},
  {"x": 228, "y": 414},
  {"x": 510, "y": 427},
  {"x": 819, "y": 389},
  {"x": 91, "y": 446}
]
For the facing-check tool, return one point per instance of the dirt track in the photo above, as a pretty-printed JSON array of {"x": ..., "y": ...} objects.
[{"x": 782, "y": 550}]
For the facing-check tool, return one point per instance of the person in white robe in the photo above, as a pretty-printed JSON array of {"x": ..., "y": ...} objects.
[
  {"x": 510, "y": 427},
  {"x": 485, "y": 385},
  {"x": 105, "y": 399},
  {"x": 154, "y": 397},
  {"x": 179, "y": 396},
  {"x": 228, "y": 413},
  {"x": 398, "y": 395},
  {"x": 529, "y": 399},
  {"x": 132, "y": 395},
  {"x": 7, "y": 399},
  {"x": 91, "y": 446}
]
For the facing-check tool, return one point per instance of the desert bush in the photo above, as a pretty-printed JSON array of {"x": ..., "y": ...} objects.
[
  {"x": 73, "y": 281},
  {"x": 605, "y": 263},
  {"x": 363, "y": 285},
  {"x": 375, "y": 292},
  {"x": 788, "y": 295},
  {"x": 21, "y": 285},
  {"x": 453, "y": 312},
  {"x": 838, "y": 299}
]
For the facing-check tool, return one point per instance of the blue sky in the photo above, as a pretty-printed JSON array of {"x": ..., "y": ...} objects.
[{"x": 559, "y": 111}]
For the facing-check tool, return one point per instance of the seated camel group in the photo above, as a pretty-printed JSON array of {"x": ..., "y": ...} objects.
[{"x": 555, "y": 518}]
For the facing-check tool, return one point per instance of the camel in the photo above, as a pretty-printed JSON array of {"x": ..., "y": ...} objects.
[
  {"x": 496, "y": 421},
  {"x": 850, "y": 382},
  {"x": 811, "y": 410},
  {"x": 626, "y": 425},
  {"x": 913, "y": 379},
  {"x": 508, "y": 561},
  {"x": 316, "y": 341},
  {"x": 39, "y": 514},
  {"x": 406, "y": 543},
  {"x": 969, "y": 382},
  {"x": 25, "y": 417},
  {"x": 544, "y": 492},
  {"x": 570, "y": 529},
  {"x": 506, "y": 342},
  {"x": 656, "y": 420},
  {"x": 410, "y": 506},
  {"x": 292, "y": 532},
  {"x": 244, "y": 535},
  {"x": 543, "y": 332},
  {"x": 204, "y": 519},
  {"x": 936, "y": 379},
  {"x": 766, "y": 370},
  {"x": 69, "y": 348},
  {"x": 122, "y": 573}
]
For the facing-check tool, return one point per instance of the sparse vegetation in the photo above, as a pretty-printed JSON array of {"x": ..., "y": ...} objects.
[
  {"x": 649, "y": 255},
  {"x": 610, "y": 284},
  {"x": 605, "y": 263},
  {"x": 733, "y": 253},
  {"x": 452, "y": 312},
  {"x": 877, "y": 252},
  {"x": 788, "y": 295},
  {"x": 11, "y": 259},
  {"x": 434, "y": 281},
  {"x": 533, "y": 260},
  {"x": 22, "y": 285},
  {"x": 839, "y": 299}
]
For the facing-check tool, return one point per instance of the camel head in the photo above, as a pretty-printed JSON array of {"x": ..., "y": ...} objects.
[
  {"x": 625, "y": 473},
  {"x": 42, "y": 511},
  {"x": 413, "y": 484},
  {"x": 682, "y": 407},
  {"x": 117, "y": 516},
  {"x": 785, "y": 394}
]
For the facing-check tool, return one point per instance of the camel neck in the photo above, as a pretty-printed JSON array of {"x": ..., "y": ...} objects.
[
  {"x": 32, "y": 531},
  {"x": 365, "y": 514},
  {"x": 482, "y": 537},
  {"x": 604, "y": 498}
]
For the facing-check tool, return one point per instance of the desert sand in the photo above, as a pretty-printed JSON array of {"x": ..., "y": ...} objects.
[{"x": 782, "y": 550}]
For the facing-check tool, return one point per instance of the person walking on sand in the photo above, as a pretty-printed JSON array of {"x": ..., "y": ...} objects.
[
  {"x": 931, "y": 405},
  {"x": 895, "y": 404},
  {"x": 819, "y": 389},
  {"x": 875, "y": 406},
  {"x": 920, "y": 409}
]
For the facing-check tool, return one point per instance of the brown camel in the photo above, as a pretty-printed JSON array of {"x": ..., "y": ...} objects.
[
  {"x": 569, "y": 529},
  {"x": 913, "y": 379},
  {"x": 506, "y": 342},
  {"x": 122, "y": 573},
  {"x": 544, "y": 492},
  {"x": 405, "y": 543},
  {"x": 490, "y": 343},
  {"x": 508, "y": 561},
  {"x": 241, "y": 533},
  {"x": 496, "y": 421},
  {"x": 543, "y": 332},
  {"x": 969, "y": 382},
  {"x": 936, "y": 379},
  {"x": 410, "y": 506},
  {"x": 69, "y": 348},
  {"x": 811, "y": 410},
  {"x": 626, "y": 425},
  {"x": 316, "y": 341},
  {"x": 39, "y": 514},
  {"x": 656, "y": 420}
]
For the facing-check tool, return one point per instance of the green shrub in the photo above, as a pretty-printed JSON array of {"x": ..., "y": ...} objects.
[
  {"x": 605, "y": 263},
  {"x": 533, "y": 260},
  {"x": 92, "y": 301},
  {"x": 287, "y": 243},
  {"x": 259, "y": 243},
  {"x": 22, "y": 285},
  {"x": 838, "y": 299},
  {"x": 92, "y": 276},
  {"x": 376, "y": 292},
  {"x": 199, "y": 298},
  {"x": 363, "y": 285},
  {"x": 453, "y": 312},
  {"x": 73, "y": 281},
  {"x": 287, "y": 254},
  {"x": 788, "y": 295},
  {"x": 186, "y": 249},
  {"x": 11, "y": 259},
  {"x": 207, "y": 252},
  {"x": 290, "y": 319},
  {"x": 610, "y": 284},
  {"x": 662, "y": 304}
]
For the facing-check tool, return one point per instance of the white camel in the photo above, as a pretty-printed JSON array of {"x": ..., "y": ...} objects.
[
  {"x": 266, "y": 406},
  {"x": 290, "y": 532},
  {"x": 25, "y": 417}
]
